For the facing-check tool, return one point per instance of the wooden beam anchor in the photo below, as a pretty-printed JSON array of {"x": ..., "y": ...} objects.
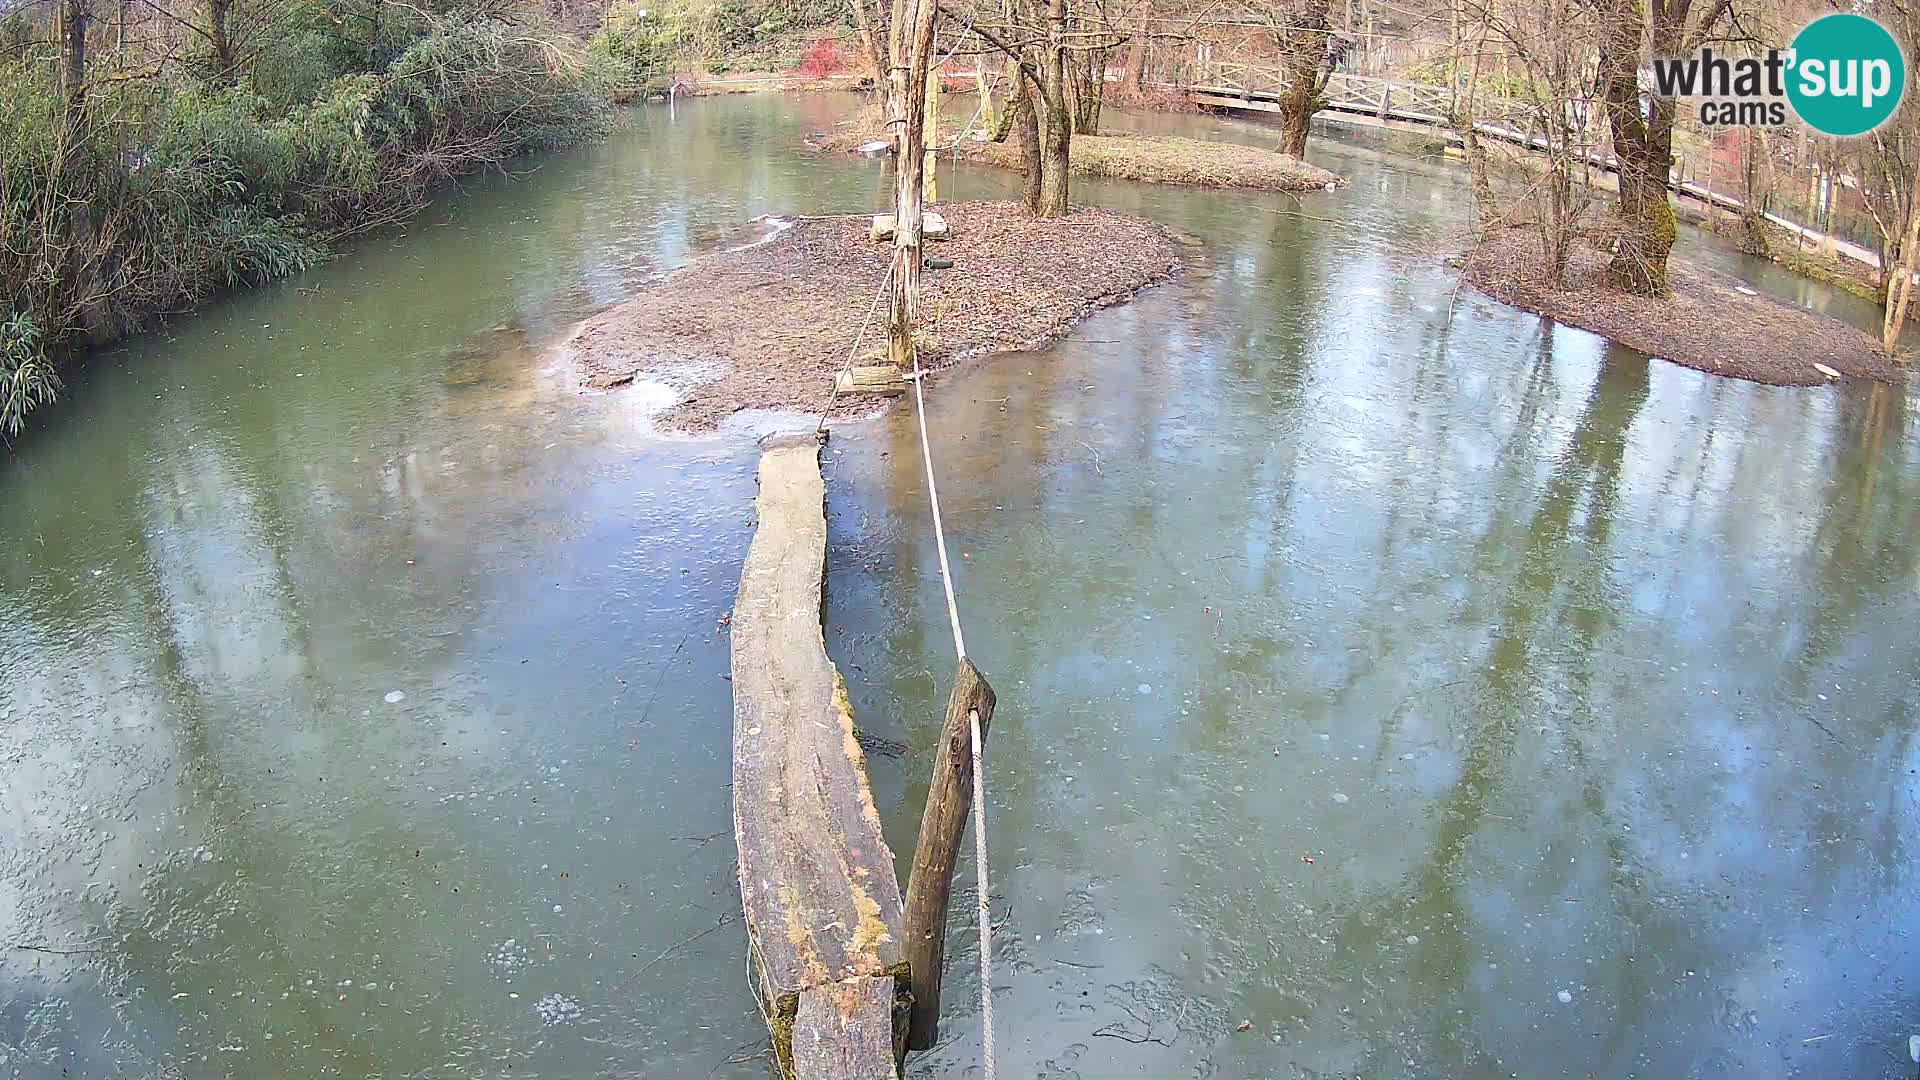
[
  {"x": 942, "y": 826},
  {"x": 871, "y": 379}
]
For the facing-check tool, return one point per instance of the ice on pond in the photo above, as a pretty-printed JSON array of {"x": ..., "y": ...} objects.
[
  {"x": 507, "y": 957},
  {"x": 395, "y": 697},
  {"x": 1146, "y": 688},
  {"x": 1565, "y": 996},
  {"x": 1339, "y": 796},
  {"x": 557, "y": 1009}
]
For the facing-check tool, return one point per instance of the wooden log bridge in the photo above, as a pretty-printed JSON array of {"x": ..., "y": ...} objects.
[
  {"x": 843, "y": 975},
  {"x": 817, "y": 881}
]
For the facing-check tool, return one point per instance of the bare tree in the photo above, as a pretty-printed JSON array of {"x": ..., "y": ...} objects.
[
  {"x": 1096, "y": 37},
  {"x": 1302, "y": 33},
  {"x": 1642, "y": 133},
  {"x": 866, "y": 19},
  {"x": 74, "y": 18},
  {"x": 1886, "y": 168},
  {"x": 1756, "y": 189},
  {"x": 1546, "y": 46},
  {"x": 912, "y": 59},
  {"x": 1033, "y": 34},
  {"x": 218, "y": 12}
]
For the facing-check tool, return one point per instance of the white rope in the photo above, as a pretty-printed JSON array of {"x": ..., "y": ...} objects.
[
  {"x": 848, "y": 366},
  {"x": 933, "y": 496},
  {"x": 986, "y": 911},
  {"x": 960, "y": 650},
  {"x": 973, "y": 720}
]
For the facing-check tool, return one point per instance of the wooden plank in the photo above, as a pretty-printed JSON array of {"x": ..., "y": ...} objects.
[
  {"x": 942, "y": 824},
  {"x": 871, "y": 379},
  {"x": 817, "y": 880},
  {"x": 932, "y": 227},
  {"x": 846, "y": 1031}
]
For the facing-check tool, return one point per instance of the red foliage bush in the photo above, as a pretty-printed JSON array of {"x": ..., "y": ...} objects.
[{"x": 822, "y": 59}]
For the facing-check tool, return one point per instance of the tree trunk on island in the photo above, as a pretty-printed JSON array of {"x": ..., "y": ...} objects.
[
  {"x": 1643, "y": 146},
  {"x": 1056, "y": 148},
  {"x": 1305, "y": 42},
  {"x": 1296, "y": 118},
  {"x": 1026, "y": 128},
  {"x": 1632, "y": 30},
  {"x": 1056, "y": 120},
  {"x": 909, "y": 173}
]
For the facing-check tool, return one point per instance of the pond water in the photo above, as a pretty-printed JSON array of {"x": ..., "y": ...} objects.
[{"x": 1422, "y": 688}]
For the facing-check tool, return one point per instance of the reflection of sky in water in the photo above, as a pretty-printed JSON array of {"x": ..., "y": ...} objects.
[{"x": 1553, "y": 626}]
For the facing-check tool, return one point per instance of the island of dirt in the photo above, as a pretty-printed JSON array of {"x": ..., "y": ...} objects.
[
  {"x": 769, "y": 325},
  {"x": 1706, "y": 322},
  {"x": 1153, "y": 159}
]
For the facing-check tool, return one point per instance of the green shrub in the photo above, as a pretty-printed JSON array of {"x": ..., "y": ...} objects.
[
  {"x": 160, "y": 193},
  {"x": 27, "y": 380},
  {"x": 638, "y": 44},
  {"x": 646, "y": 40}
]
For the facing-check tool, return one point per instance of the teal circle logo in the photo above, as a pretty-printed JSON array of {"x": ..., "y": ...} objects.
[{"x": 1848, "y": 75}]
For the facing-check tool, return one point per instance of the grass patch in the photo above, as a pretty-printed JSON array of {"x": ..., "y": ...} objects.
[
  {"x": 1153, "y": 159},
  {"x": 1163, "y": 159}
]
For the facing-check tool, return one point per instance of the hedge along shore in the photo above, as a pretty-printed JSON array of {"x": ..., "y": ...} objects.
[
  {"x": 1154, "y": 159},
  {"x": 768, "y": 326},
  {"x": 1706, "y": 322}
]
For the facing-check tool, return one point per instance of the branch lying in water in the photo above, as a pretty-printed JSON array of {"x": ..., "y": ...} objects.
[
  {"x": 56, "y": 952},
  {"x": 725, "y": 921}
]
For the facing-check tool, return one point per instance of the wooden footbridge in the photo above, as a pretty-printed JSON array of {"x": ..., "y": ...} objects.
[
  {"x": 1375, "y": 101},
  {"x": 1370, "y": 101},
  {"x": 847, "y": 971}
]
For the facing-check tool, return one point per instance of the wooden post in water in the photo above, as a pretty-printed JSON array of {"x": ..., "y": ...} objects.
[{"x": 942, "y": 826}]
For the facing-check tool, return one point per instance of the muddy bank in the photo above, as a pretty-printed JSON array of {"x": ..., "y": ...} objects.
[
  {"x": 768, "y": 326},
  {"x": 1706, "y": 323},
  {"x": 1154, "y": 159}
]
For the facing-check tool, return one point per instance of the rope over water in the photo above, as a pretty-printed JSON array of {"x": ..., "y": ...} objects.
[
  {"x": 973, "y": 722},
  {"x": 985, "y": 911},
  {"x": 864, "y": 323}
]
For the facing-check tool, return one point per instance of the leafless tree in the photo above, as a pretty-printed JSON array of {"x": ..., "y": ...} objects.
[
  {"x": 1546, "y": 102},
  {"x": 1301, "y": 32},
  {"x": 1641, "y": 125}
]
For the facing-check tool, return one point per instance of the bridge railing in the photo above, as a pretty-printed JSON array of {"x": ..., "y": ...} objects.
[
  {"x": 1507, "y": 120},
  {"x": 1385, "y": 98}
]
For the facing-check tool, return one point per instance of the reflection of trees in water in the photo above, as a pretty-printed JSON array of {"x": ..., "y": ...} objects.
[
  {"x": 1870, "y": 517},
  {"x": 1524, "y": 649},
  {"x": 250, "y": 697},
  {"x": 244, "y": 564},
  {"x": 1560, "y": 607}
]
